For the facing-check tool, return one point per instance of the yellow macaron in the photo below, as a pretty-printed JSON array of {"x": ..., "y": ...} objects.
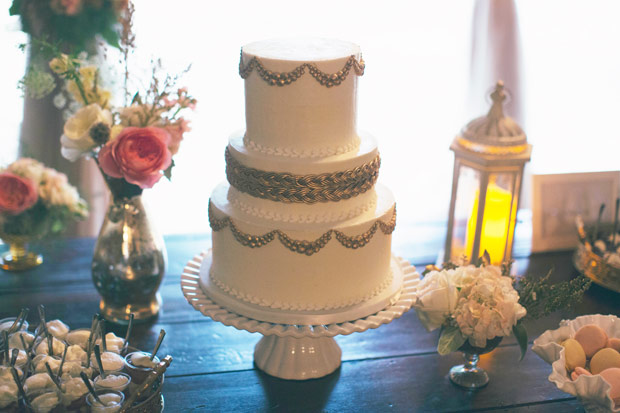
[
  {"x": 574, "y": 354},
  {"x": 604, "y": 359}
]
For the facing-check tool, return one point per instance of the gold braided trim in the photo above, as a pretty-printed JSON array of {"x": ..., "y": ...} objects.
[
  {"x": 308, "y": 189},
  {"x": 286, "y": 78},
  {"x": 302, "y": 246}
]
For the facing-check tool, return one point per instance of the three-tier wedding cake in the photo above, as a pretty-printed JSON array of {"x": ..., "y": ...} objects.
[{"x": 301, "y": 226}]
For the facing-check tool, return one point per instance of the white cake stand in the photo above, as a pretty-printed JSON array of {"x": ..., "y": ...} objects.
[{"x": 299, "y": 351}]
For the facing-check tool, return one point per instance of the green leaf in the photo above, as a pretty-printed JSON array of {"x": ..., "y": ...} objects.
[
  {"x": 111, "y": 37},
  {"x": 486, "y": 258},
  {"x": 15, "y": 8},
  {"x": 521, "y": 335},
  {"x": 168, "y": 172},
  {"x": 136, "y": 99},
  {"x": 450, "y": 340}
]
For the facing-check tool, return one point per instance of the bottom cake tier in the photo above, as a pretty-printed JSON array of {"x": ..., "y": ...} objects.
[{"x": 301, "y": 267}]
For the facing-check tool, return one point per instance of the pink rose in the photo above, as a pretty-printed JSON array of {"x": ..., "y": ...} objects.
[
  {"x": 17, "y": 194},
  {"x": 137, "y": 154},
  {"x": 176, "y": 131}
]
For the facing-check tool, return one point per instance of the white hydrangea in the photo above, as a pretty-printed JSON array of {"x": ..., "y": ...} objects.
[
  {"x": 28, "y": 168},
  {"x": 54, "y": 189},
  {"x": 488, "y": 305}
]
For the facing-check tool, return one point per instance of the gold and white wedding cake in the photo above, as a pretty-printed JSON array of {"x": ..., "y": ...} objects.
[{"x": 301, "y": 226}]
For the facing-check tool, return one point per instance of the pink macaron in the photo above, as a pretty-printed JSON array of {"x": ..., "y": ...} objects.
[
  {"x": 614, "y": 343},
  {"x": 592, "y": 338},
  {"x": 612, "y": 376},
  {"x": 578, "y": 372}
]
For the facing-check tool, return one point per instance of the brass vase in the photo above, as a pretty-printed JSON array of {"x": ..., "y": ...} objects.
[
  {"x": 18, "y": 257},
  {"x": 129, "y": 262}
]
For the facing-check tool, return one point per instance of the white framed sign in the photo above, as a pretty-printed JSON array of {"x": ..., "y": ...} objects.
[{"x": 557, "y": 199}]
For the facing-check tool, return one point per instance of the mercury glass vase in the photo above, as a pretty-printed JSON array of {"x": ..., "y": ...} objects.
[
  {"x": 470, "y": 375},
  {"x": 18, "y": 257},
  {"x": 129, "y": 262}
]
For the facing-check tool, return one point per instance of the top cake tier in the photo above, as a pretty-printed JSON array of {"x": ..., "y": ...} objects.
[{"x": 301, "y": 96}]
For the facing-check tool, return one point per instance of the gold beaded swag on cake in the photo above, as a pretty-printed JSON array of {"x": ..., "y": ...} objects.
[
  {"x": 307, "y": 189},
  {"x": 286, "y": 78},
  {"x": 302, "y": 246}
]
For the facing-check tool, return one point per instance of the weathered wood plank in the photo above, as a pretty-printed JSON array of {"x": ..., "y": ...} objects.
[
  {"x": 405, "y": 384},
  {"x": 68, "y": 261}
]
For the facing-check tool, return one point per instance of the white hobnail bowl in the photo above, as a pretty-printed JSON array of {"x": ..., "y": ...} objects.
[{"x": 592, "y": 391}]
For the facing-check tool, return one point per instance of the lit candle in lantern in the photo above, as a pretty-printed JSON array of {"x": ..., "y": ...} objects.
[
  {"x": 489, "y": 156},
  {"x": 495, "y": 223}
]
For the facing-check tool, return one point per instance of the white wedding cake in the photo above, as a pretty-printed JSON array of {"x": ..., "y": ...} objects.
[{"x": 300, "y": 225}]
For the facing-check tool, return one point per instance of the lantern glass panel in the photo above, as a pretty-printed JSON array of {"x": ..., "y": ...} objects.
[
  {"x": 497, "y": 219},
  {"x": 466, "y": 197}
]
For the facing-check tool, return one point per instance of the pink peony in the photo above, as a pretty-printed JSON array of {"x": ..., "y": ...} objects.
[
  {"x": 17, "y": 194},
  {"x": 176, "y": 131},
  {"x": 137, "y": 154}
]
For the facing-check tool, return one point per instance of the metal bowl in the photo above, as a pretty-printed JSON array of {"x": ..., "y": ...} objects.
[{"x": 594, "y": 267}]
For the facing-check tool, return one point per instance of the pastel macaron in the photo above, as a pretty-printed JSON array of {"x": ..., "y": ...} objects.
[
  {"x": 592, "y": 338},
  {"x": 573, "y": 354},
  {"x": 614, "y": 343},
  {"x": 604, "y": 359},
  {"x": 612, "y": 376},
  {"x": 579, "y": 371}
]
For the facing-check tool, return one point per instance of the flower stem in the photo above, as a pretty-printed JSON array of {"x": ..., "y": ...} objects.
[{"x": 80, "y": 86}]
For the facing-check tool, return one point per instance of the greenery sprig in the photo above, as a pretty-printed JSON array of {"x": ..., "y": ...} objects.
[{"x": 542, "y": 298}]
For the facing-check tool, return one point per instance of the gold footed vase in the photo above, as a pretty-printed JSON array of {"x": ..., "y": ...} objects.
[
  {"x": 18, "y": 257},
  {"x": 129, "y": 263}
]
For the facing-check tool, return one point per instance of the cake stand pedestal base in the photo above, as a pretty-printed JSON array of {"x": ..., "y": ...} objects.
[
  {"x": 297, "y": 358},
  {"x": 299, "y": 351}
]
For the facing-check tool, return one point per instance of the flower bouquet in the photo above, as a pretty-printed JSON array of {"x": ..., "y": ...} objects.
[
  {"x": 35, "y": 201},
  {"x": 133, "y": 145},
  {"x": 477, "y": 305}
]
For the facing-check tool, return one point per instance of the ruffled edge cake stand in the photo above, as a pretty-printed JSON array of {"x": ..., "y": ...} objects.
[{"x": 299, "y": 351}]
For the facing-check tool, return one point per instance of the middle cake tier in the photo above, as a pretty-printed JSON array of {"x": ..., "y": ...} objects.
[{"x": 298, "y": 265}]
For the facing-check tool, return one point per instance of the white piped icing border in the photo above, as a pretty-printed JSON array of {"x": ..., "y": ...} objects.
[
  {"x": 296, "y": 153},
  {"x": 330, "y": 216},
  {"x": 296, "y": 306}
]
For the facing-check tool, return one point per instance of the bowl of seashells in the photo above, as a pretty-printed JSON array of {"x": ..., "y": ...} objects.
[{"x": 53, "y": 368}]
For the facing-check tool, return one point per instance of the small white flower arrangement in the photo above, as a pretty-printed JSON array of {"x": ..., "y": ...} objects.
[{"x": 474, "y": 304}]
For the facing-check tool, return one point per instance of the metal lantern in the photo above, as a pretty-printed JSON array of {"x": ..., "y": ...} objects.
[{"x": 489, "y": 157}]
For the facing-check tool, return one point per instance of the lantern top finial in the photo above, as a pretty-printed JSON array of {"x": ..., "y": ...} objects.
[
  {"x": 494, "y": 133},
  {"x": 498, "y": 96}
]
